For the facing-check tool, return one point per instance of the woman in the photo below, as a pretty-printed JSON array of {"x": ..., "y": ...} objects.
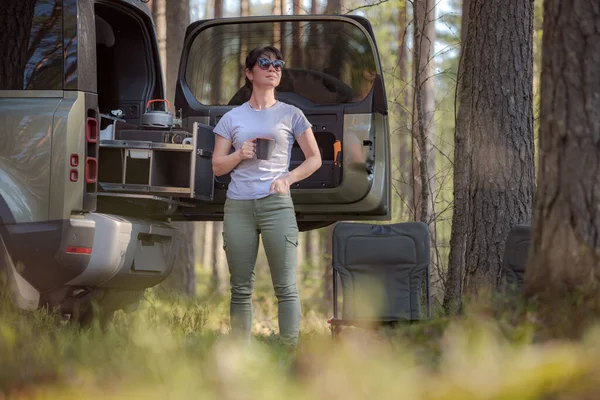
[{"x": 258, "y": 198}]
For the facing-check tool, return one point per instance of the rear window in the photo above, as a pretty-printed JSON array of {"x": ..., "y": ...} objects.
[
  {"x": 31, "y": 48},
  {"x": 327, "y": 62}
]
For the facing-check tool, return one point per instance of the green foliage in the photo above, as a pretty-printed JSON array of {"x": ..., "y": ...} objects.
[{"x": 170, "y": 349}]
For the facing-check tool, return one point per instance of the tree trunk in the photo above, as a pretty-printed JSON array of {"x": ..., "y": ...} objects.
[
  {"x": 313, "y": 248},
  {"x": 171, "y": 23},
  {"x": 282, "y": 27},
  {"x": 493, "y": 159},
  {"x": 279, "y": 28},
  {"x": 218, "y": 263},
  {"x": 16, "y": 18},
  {"x": 244, "y": 12},
  {"x": 207, "y": 251},
  {"x": 183, "y": 277},
  {"x": 312, "y": 43},
  {"x": 219, "y": 269},
  {"x": 177, "y": 20},
  {"x": 296, "y": 39},
  {"x": 402, "y": 107},
  {"x": 565, "y": 249},
  {"x": 327, "y": 260},
  {"x": 464, "y": 21},
  {"x": 301, "y": 255},
  {"x": 158, "y": 13},
  {"x": 216, "y": 74},
  {"x": 199, "y": 238},
  {"x": 456, "y": 263},
  {"x": 423, "y": 136},
  {"x": 423, "y": 110},
  {"x": 333, "y": 7},
  {"x": 277, "y": 39}
]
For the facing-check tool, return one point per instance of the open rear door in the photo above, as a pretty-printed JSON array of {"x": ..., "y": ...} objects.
[{"x": 333, "y": 74}]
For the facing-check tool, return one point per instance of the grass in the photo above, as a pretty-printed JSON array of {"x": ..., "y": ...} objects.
[{"x": 174, "y": 348}]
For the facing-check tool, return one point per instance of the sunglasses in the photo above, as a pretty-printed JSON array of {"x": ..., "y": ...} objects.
[{"x": 265, "y": 63}]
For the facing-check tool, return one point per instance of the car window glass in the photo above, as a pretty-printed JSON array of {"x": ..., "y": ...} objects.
[
  {"x": 32, "y": 52},
  {"x": 327, "y": 62}
]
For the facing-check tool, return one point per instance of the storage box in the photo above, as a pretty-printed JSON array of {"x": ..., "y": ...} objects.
[
  {"x": 158, "y": 166},
  {"x": 143, "y": 166}
]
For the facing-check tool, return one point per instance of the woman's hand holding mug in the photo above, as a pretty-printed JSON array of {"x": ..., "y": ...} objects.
[{"x": 247, "y": 151}]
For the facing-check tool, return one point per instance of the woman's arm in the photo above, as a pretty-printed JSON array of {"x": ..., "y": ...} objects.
[
  {"x": 312, "y": 162},
  {"x": 223, "y": 162}
]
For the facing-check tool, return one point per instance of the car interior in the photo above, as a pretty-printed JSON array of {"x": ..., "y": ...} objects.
[{"x": 125, "y": 65}]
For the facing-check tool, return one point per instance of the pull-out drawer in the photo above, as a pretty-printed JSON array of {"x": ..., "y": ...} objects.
[
  {"x": 139, "y": 162},
  {"x": 137, "y": 166}
]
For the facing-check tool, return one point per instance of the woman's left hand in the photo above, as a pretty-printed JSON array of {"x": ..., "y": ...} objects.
[{"x": 280, "y": 186}]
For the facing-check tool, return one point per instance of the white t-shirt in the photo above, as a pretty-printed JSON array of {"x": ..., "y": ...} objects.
[{"x": 284, "y": 123}]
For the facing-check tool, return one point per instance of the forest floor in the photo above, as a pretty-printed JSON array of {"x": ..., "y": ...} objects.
[{"x": 174, "y": 348}]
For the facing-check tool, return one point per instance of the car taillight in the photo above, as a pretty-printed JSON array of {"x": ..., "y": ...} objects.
[
  {"x": 91, "y": 170},
  {"x": 91, "y": 130}
]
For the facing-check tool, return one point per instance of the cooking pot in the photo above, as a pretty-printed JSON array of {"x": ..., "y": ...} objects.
[{"x": 157, "y": 118}]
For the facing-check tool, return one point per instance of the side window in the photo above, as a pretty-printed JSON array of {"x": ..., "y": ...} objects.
[{"x": 31, "y": 54}]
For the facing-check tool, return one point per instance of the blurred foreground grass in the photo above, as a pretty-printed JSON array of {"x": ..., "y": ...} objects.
[{"x": 181, "y": 349}]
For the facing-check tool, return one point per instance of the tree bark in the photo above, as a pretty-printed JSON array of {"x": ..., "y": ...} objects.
[
  {"x": 456, "y": 264},
  {"x": 177, "y": 20},
  {"x": 207, "y": 251},
  {"x": 564, "y": 258},
  {"x": 199, "y": 243},
  {"x": 277, "y": 38},
  {"x": 493, "y": 159},
  {"x": 158, "y": 14},
  {"x": 175, "y": 17},
  {"x": 423, "y": 128},
  {"x": 312, "y": 42},
  {"x": 313, "y": 247},
  {"x": 333, "y": 7},
  {"x": 301, "y": 255},
  {"x": 219, "y": 268},
  {"x": 297, "y": 47},
  {"x": 402, "y": 106},
  {"x": 244, "y": 12},
  {"x": 216, "y": 74},
  {"x": 279, "y": 28},
  {"x": 327, "y": 260},
  {"x": 217, "y": 261},
  {"x": 182, "y": 279},
  {"x": 464, "y": 21},
  {"x": 423, "y": 110}
]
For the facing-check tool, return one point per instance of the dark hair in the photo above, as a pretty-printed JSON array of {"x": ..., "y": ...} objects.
[{"x": 255, "y": 54}]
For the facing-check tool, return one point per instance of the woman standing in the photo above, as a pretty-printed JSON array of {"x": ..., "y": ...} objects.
[{"x": 258, "y": 198}]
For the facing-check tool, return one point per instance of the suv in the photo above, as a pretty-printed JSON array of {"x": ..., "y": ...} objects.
[{"x": 91, "y": 176}]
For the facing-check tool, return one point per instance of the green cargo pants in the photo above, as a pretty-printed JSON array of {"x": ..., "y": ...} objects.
[{"x": 273, "y": 218}]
